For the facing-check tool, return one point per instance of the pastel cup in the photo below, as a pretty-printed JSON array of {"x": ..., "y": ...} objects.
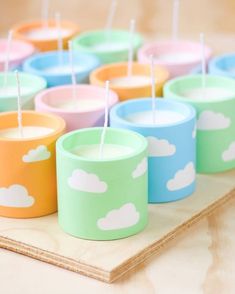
[
  {"x": 215, "y": 120},
  {"x": 179, "y": 57},
  {"x": 30, "y": 86},
  {"x": 223, "y": 65},
  {"x": 57, "y": 71},
  {"x": 171, "y": 146},
  {"x": 109, "y": 47},
  {"x": 87, "y": 111},
  {"x": 125, "y": 92},
  {"x": 19, "y": 51},
  {"x": 28, "y": 167},
  {"x": 43, "y": 39},
  {"x": 101, "y": 199}
]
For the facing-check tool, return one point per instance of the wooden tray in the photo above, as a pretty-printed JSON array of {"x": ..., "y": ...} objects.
[{"x": 42, "y": 238}]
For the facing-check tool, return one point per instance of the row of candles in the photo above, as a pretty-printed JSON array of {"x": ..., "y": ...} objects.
[{"x": 106, "y": 175}]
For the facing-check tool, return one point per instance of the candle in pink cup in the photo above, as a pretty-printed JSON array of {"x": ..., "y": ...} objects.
[{"x": 84, "y": 110}]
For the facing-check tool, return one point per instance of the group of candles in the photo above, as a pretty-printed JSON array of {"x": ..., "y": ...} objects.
[{"x": 104, "y": 176}]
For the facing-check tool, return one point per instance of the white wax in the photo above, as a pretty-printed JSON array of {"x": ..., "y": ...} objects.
[
  {"x": 177, "y": 57},
  {"x": 209, "y": 93},
  {"x": 62, "y": 69},
  {"x": 162, "y": 117},
  {"x": 110, "y": 151},
  {"x": 12, "y": 55},
  {"x": 46, "y": 33},
  {"x": 108, "y": 46},
  {"x": 28, "y": 132},
  {"x": 81, "y": 104},
  {"x": 132, "y": 81},
  {"x": 9, "y": 91}
]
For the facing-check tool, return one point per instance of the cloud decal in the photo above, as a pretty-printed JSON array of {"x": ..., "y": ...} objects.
[
  {"x": 38, "y": 154},
  {"x": 182, "y": 178},
  {"x": 209, "y": 120},
  {"x": 83, "y": 181},
  {"x": 124, "y": 217},
  {"x": 15, "y": 196},
  {"x": 194, "y": 133},
  {"x": 229, "y": 154},
  {"x": 160, "y": 147},
  {"x": 140, "y": 169}
]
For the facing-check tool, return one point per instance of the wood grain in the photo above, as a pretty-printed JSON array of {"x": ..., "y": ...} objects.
[{"x": 41, "y": 238}]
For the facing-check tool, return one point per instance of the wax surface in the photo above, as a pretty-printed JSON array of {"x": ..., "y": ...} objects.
[
  {"x": 108, "y": 46},
  {"x": 12, "y": 91},
  {"x": 110, "y": 151},
  {"x": 81, "y": 104},
  {"x": 177, "y": 57},
  {"x": 28, "y": 132},
  {"x": 12, "y": 55},
  {"x": 162, "y": 117},
  {"x": 209, "y": 93},
  {"x": 133, "y": 81},
  {"x": 46, "y": 33},
  {"x": 63, "y": 69}
]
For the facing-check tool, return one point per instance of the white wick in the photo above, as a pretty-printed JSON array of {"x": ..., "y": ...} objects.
[
  {"x": 19, "y": 111},
  {"x": 44, "y": 15},
  {"x": 106, "y": 117},
  {"x": 131, "y": 49},
  {"x": 59, "y": 36},
  {"x": 73, "y": 75},
  {"x": 203, "y": 62},
  {"x": 153, "y": 88},
  {"x": 175, "y": 20},
  {"x": 8, "y": 51},
  {"x": 112, "y": 11}
]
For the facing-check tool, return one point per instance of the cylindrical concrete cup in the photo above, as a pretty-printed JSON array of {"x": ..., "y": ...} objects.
[
  {"x": 87, "y": 111},
  {"x": 171, "y": 147},
  {"x": 215, "y": 121},
  {"x": 102, "y": 199},
  {"x": 19, "y": 51},
  {"x": 109, "y": 47},
  {"x": 223, "y": 65},
  {"x": 116, "y": 70},
  {"x": 28, "y": 167},
  {"x": 47, "y": 41},
  {"x": 30, "y": 86},
  {"x": 56, "y": 69},
  {"x": 179, "y": 57}
]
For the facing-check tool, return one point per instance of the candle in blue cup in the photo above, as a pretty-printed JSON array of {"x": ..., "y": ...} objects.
[{"x": 223, "y": 65}]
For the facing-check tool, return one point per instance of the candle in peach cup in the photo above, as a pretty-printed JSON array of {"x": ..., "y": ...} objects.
[
  {"x": 179, "y": 57},
  {"x": 134, "y": 86},
  {"x": 83, "y": 111},
  {"x": 45, "y": 38},
  {"x": 27, "y": 171}
]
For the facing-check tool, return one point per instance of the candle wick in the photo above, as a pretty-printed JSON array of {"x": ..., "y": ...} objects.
[
  {"x": 131, "y": 49},
  {"x": 153, "y": 88},
  {"x": 8, "y": 50},
  {"x": 19, "y": 112},
  {"x": 111, "y": 14},
  {"x": 175, "y": 20},
  {"x": 73, "y": 75},
  {"x": 45, "y": 9},
  {"x": 203, "y": 63},
  {"x": 101, "y": 151},
  {"x": 59, "y": 40}
]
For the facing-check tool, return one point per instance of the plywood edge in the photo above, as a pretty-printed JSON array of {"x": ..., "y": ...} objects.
[
  {"x": 55, "y": 259},
  {"x": 157, "y": 246}
]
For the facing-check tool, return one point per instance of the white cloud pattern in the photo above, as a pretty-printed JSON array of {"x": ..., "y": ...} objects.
[
  {"x": 229, "y": 154},
  {"x": 140, "y": 169},
  {"x": 160, "y": 147},
  {"x": 38, "y": 154},
  {"x": 83, "y": 181},
  {"x": 182, "y": 178},
  {"x": 124, "y": 217},
  {"x": 15, "y": 196},
  {"x": 210, "y": 120}
]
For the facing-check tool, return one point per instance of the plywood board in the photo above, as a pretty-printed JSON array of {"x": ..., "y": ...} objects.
[{"x": 42, "y": 238}]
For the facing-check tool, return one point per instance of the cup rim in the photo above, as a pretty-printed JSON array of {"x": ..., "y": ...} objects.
[
  {"x": 60, "y": 125},
  {"x": 40, "y": 96},
  {"x": 115, "y": 109},
  {"x": 213, "y": 64},
  {"x": 142, "y": 148},
  {"x": 168, "y": 89}
]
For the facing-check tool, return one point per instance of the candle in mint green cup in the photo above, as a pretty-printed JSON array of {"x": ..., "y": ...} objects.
[
  {"x": 109, "y": 47},
  {"x": 102, "y": 198},
  {"x": 215, "y": 106},
  {"x": 30, "y": 86}
]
